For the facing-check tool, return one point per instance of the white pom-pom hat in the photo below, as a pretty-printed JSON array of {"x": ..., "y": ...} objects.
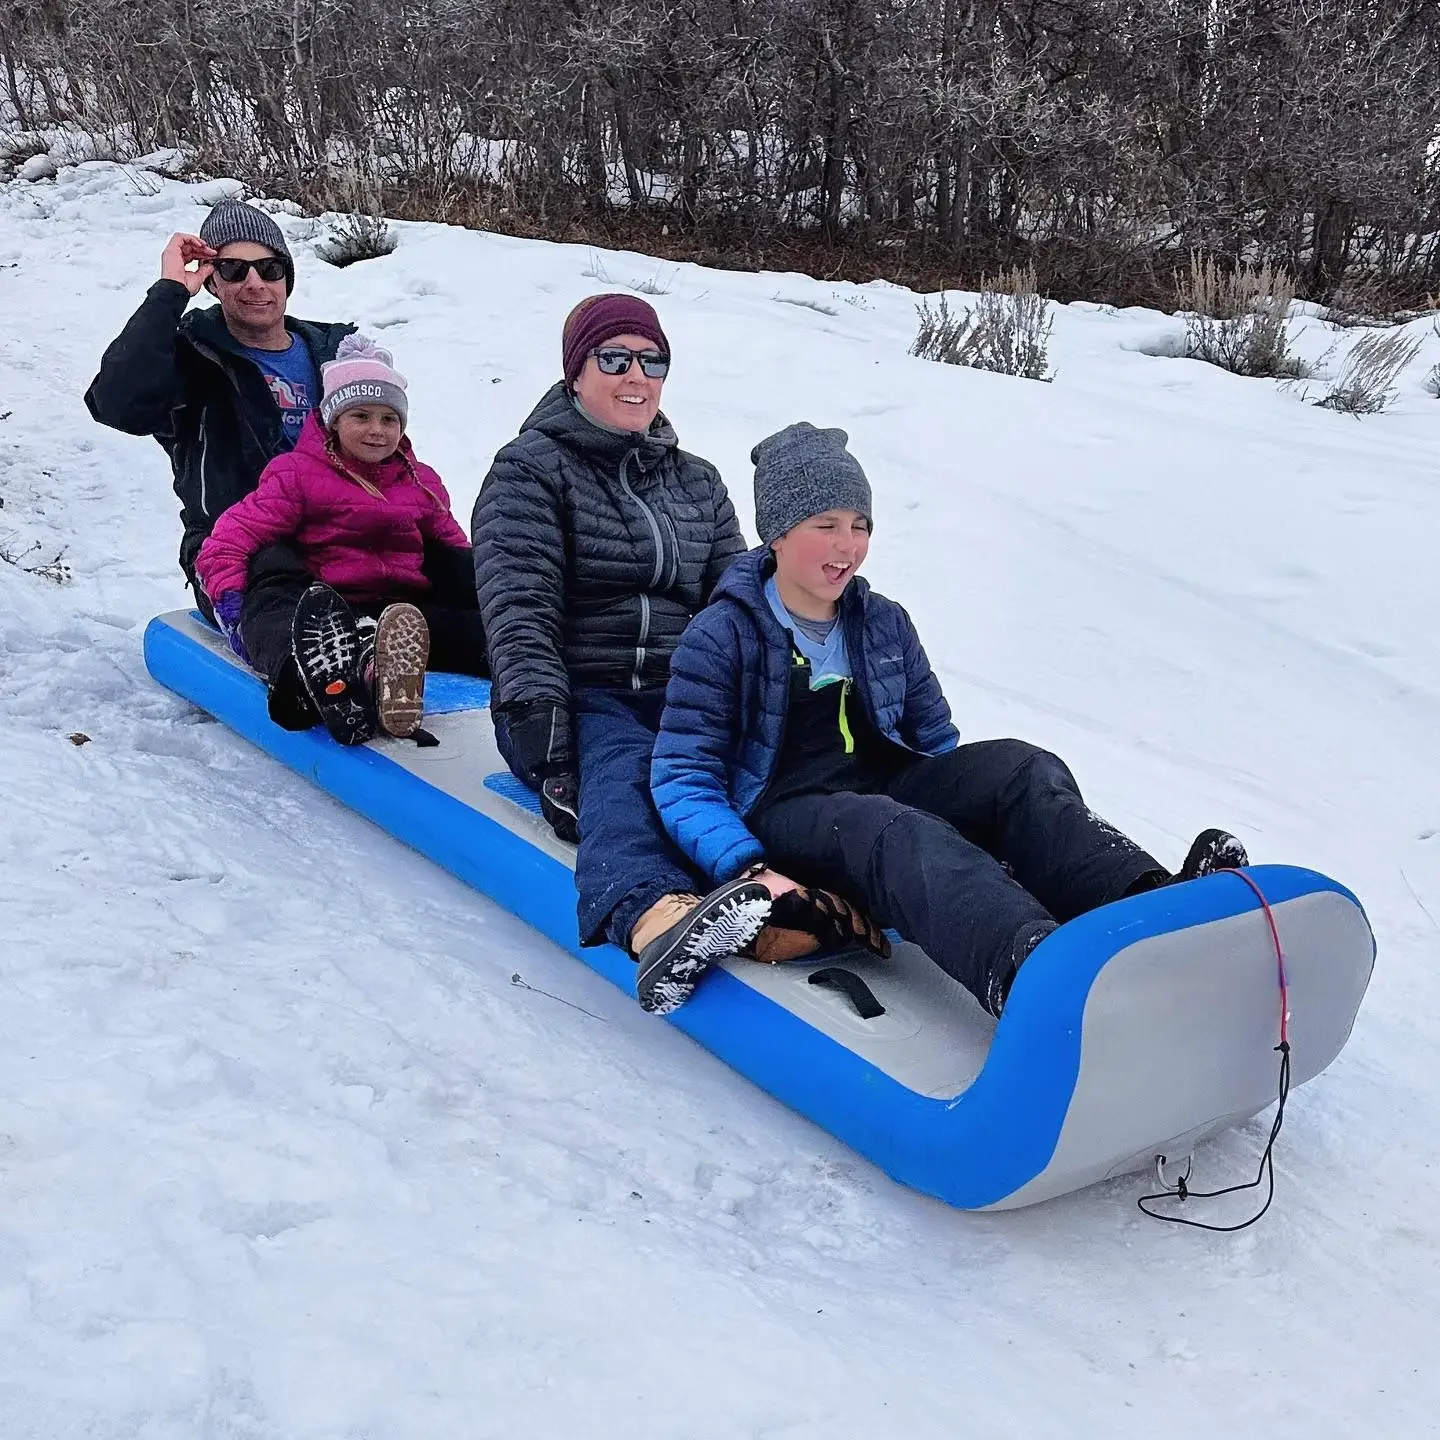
[{"x": 362, "y": 373}]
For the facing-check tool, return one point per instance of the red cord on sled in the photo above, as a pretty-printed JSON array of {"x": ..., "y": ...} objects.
[
  {"x": 1280, "y": 975},
  {"x": 1181, "y": 1190}
]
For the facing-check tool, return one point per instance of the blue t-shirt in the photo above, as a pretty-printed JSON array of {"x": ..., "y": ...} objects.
[{"x": 293, "y": 381}]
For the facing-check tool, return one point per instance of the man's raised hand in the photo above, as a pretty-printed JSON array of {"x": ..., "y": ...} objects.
[{"x": 178, "y": 254}]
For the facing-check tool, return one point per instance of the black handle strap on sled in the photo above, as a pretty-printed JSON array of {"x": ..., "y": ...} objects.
[
  {"x": 1265, "y": 1175},
  {"x": 850, "y": 985}
]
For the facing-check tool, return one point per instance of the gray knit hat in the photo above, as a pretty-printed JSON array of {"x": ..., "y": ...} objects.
[
  {"x": 233, "y": 220},
  {"x": 801, "y": 471}
]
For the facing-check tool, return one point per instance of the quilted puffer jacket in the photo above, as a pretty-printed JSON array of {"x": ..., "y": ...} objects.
[
  {"x": 729, "y": 692},
  {"x": 593, "y": 549},
  {"x": 362, "y": 528}
]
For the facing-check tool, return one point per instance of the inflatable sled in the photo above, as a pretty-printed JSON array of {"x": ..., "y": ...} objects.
[{"x": 1135, "y": 1031}]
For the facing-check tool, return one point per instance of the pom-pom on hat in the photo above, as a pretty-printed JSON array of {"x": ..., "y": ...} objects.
[
  {"x": 362, "y": 373},
  {"x": 234, "y": 220},
  {"x": 599, "y": 318}
]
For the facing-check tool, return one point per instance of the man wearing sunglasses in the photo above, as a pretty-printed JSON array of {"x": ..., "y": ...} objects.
[{"x": 224, "y": 389}]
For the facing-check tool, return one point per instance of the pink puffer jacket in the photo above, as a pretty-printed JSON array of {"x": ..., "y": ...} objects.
[{"x": 361, "y": 528}]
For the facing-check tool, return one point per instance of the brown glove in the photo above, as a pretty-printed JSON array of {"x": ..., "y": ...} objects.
[{"x": 806, "y": 921}]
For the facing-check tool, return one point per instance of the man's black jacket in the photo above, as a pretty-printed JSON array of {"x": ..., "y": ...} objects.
[{"x": 183, "y": 379}]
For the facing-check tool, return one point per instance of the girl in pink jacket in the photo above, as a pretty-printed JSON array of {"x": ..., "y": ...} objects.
[{"x": 385, "y": 579}]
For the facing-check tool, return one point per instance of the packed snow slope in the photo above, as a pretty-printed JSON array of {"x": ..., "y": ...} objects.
[{"x": 288, "y": 1152}]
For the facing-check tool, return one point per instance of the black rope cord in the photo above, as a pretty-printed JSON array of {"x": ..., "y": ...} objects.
[{"x": 1264, "y": 1176}]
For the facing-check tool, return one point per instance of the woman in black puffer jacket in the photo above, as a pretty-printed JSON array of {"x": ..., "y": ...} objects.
[{"x": 597, "y": 539}]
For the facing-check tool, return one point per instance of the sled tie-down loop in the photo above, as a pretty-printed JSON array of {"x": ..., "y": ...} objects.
[{"x": 1266, "y": 1173}]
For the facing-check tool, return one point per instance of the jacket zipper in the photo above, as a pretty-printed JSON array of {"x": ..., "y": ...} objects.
[
  {"x": 855, "y": 644},
  {"x": 210, "y": 354},
  {"x": 846, "y": 734},
  {"x": 644, "y": 636},
  {"x": 674, "y": 552},
  {"x": 795, "y": 659},
  {"x": 204, "y": 456},
  {"x": 650, "y": 516},
  {"x": 645, "y": 510}
]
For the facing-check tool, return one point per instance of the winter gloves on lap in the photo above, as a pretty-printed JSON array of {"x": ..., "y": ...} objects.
[{"x": 806, "y": 921}]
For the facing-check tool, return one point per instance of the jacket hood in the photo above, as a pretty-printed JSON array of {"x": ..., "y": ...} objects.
[
  {"x": 744, "y": 583},
  {"x": 557, "y": 417}
]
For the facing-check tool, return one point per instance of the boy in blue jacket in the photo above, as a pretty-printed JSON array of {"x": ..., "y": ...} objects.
[{"x": 806, "y": 736}]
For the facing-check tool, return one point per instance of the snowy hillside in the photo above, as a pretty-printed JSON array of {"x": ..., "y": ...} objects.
[{"x": 286, "y": 1154}]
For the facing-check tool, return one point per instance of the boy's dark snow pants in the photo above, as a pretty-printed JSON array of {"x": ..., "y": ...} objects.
[
  {"x": 959, "y": 852},
  {"x": 279, "y": 577}
]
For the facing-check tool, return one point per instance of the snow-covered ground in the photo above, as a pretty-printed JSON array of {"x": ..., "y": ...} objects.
[{"x": 286, "y": 1155}]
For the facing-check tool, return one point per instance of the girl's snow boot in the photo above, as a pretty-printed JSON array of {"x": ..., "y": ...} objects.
[
  {"x": 327, "y": 650},
  {"x": 402, "y": 650}
]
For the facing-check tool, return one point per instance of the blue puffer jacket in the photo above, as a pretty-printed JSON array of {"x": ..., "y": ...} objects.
[{"x": 727, "y": 697}]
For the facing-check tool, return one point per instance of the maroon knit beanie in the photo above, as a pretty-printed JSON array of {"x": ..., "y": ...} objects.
[{"x": 599, "y": 318}]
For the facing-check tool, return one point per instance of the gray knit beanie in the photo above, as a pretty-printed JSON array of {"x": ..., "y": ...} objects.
[
  {"x": 801, "y": 471},
  {"x": 233, "y": 220}
]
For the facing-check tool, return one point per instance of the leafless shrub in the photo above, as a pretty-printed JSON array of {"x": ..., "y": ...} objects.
[
  {"x": 1006, "y": 331},
  {"x": 1356, "y": 305},
  {"x": 1367, "y": 380},
  {"x": 1432, "y": 382},
  {"x": 56, "y": 570},
  {"x": 655, "y": 284},
  {"x": 1237, "y": 318},
  {"x": 1367, "y": 300},
  {"x": 356, "y": 237}
]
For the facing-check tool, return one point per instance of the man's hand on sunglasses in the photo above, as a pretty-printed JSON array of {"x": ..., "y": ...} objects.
[{"x": 179, "y": 253}]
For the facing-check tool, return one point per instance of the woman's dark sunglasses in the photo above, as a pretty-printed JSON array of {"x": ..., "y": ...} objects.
[
  {"x": 232, "y": 270},
  {"x": 615, "y": 360}
]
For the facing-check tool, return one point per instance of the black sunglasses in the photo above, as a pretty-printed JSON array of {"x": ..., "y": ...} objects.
[
  {"x": 615, "y": 360},
  {"x": 232, "y": 270}
]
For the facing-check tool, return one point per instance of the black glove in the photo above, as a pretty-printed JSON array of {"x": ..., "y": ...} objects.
[
  {"x": 538, "y": 732},
  {"x": 806, "y": 921},
  {"x": 560, "y": 805}
]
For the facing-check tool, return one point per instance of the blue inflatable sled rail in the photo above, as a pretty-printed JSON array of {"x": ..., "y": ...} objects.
[{"x": 1135, "y": 1031}]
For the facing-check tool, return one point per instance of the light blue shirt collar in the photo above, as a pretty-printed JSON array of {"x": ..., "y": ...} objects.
[{"x": 828, "y": 662}]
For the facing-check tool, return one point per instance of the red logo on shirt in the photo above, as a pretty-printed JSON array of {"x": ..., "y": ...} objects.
[{"x": 287, "y": 397}]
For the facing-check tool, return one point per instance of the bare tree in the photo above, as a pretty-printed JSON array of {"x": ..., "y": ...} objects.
[{"x": 930, "y": 140}]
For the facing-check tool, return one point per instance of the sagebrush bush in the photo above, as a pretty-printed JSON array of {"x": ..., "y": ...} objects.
[
  {"x": 1367, "y": 379},
  {"x": 1006, "y": 331},
  {"x": 1237, "y": 318},
  {"x": 356, "y": 237}
]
